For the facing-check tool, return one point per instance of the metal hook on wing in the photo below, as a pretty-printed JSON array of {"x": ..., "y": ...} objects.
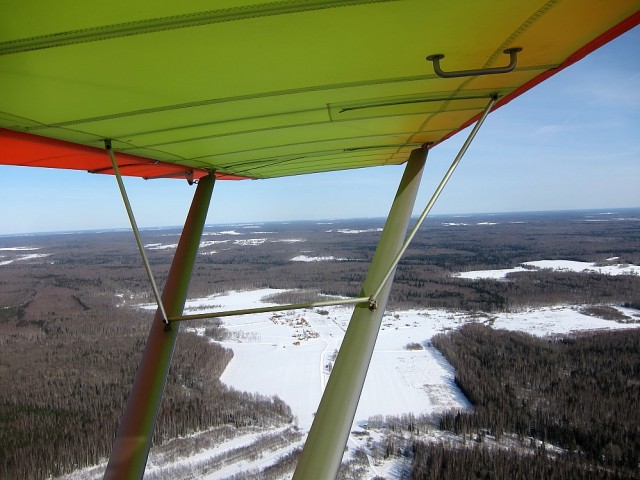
[{"x": 513, "y": 60}]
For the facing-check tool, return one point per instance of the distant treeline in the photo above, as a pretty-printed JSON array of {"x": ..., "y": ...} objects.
[{"x": 521, "y": 290}]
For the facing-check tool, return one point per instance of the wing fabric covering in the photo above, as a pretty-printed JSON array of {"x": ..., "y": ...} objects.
[{"x": 257, "y": 89}]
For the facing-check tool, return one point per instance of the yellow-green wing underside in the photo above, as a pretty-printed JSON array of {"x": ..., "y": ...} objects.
[{"x": 269, "y": 89}]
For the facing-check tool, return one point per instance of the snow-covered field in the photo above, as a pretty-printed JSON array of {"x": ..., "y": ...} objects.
[
  {"x": 288, "y": 354},
  {"x": 17, "y": 257},
  {"x": 558, "y": 265}
]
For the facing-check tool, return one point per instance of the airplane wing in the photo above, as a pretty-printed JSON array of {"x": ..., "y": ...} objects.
[{"x": 257, "y": 89}]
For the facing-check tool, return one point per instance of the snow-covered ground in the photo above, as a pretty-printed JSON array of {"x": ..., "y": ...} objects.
[
  {"x": 18, "y": 257},
  {"x": 240, "y": 242},
  {"x": 351, "y": 231},
  {"x": 558, "y": 265},
  {"x": 306, "y": 258}
]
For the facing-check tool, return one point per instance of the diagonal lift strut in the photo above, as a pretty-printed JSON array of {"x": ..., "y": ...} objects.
[{"x": 136, "y": 231}]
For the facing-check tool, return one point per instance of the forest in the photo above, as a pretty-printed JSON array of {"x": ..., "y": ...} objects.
[
  {"x": 580, "y": 393},
  {"x": 477, "y": 462},
  {"x": 71, "y": 335}
]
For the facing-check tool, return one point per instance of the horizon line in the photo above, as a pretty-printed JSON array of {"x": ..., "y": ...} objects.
[{"x": 601, "y": 211}]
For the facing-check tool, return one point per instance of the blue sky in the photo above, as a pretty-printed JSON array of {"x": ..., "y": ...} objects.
[{"x": 571, "y": 143}]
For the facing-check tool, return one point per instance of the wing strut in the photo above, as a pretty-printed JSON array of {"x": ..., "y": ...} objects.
[
  {"x": 133, "y": 439},
  {"x": 276, "y": 308},
  {"x": 136, "y": 231},
  {"x": 324, "y": 448}
]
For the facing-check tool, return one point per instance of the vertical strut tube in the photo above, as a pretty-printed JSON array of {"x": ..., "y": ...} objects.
[
  {"x": 323, "y": 450},
  {"x": 133, "y": 440}
]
